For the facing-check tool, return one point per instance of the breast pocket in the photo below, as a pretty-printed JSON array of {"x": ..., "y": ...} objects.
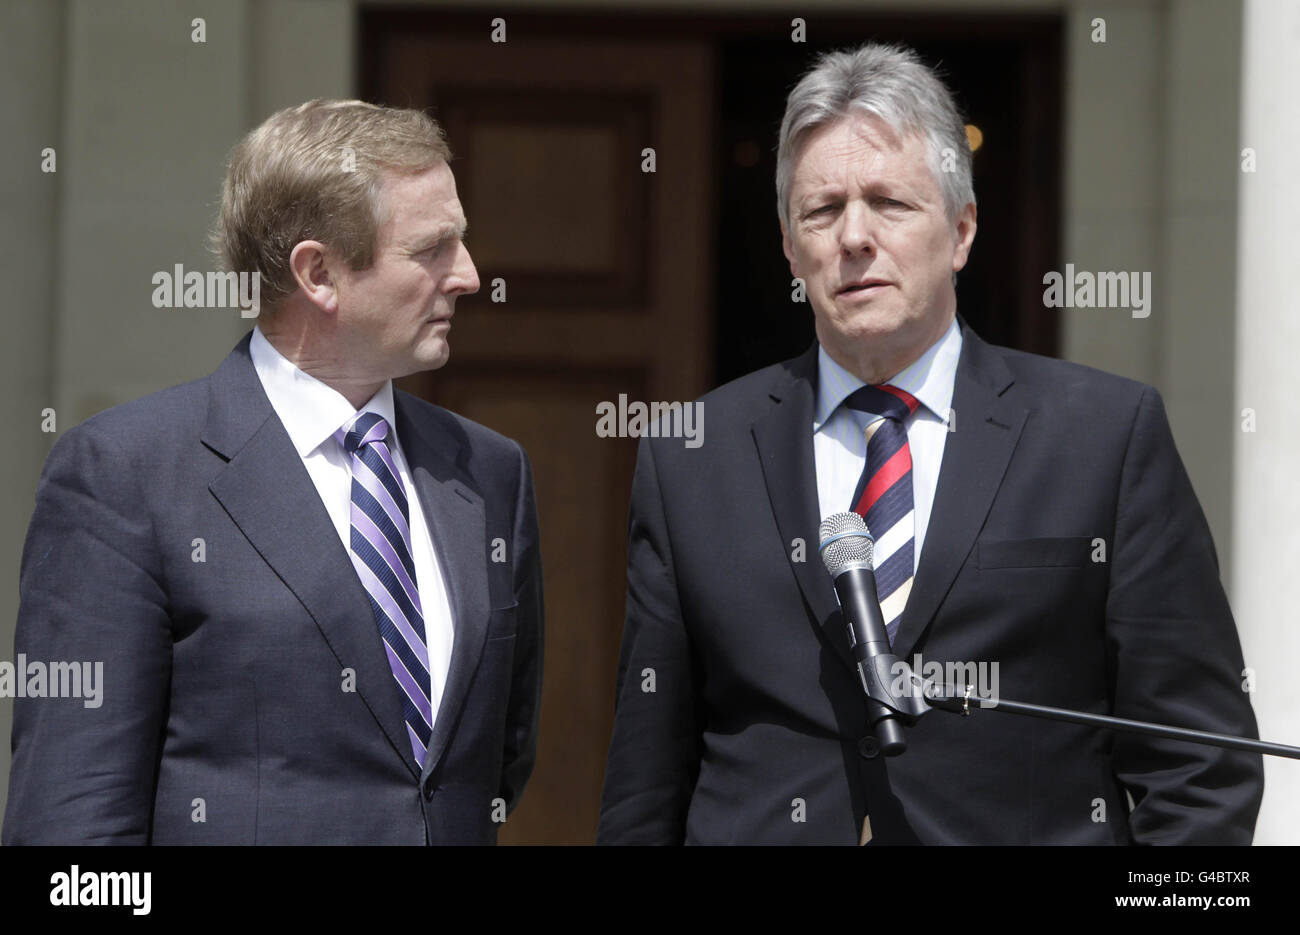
[
  {"x": 502, "y": 622},
  {"x": 1034, "y": 553}
]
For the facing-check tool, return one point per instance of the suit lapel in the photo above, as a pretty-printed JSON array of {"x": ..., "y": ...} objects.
[
  {"x": 269, "y": 495},
  {"x": 454, "y": 510},
  {"x": 975, "y": 458},
  {"x": 785, "y": 450}
]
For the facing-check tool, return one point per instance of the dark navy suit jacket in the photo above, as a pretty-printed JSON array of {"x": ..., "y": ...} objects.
[
  {"x": 227, "y": 715},
  {"x": 754, "y": 729}
]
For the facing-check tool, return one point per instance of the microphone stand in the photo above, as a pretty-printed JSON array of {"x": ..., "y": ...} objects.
[{"x": 921, "y": 696}]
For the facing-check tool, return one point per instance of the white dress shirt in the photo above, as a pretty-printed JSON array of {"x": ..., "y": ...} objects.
[
  {"x": 311, "y": 413},
  {"x": 839, "y": 433}
]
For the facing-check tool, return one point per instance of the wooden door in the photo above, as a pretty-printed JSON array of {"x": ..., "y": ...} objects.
[{"x": 605, "y": 271}]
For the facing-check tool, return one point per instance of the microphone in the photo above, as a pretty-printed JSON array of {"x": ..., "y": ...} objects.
[{"x": 846, "y": 548}]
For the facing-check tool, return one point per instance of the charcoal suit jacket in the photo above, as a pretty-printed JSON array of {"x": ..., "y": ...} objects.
[
  {"x": 247, "y": 698},
  {"x": 739, "y": 716}
]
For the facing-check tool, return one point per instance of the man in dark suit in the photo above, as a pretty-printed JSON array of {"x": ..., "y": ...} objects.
[
  {"x": 317, "y": 599},
  {"x": 1031, "y": 517}
]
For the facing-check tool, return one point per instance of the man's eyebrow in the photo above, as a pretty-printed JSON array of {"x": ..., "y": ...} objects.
[
  {"x": 818, "y": 193},
  {"x": 818, "y": 186},
  {"x": 440, "y": 233},
  {"x": 876, "y": 188}
]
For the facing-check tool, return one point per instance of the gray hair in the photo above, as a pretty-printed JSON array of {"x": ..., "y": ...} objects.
[{"x": 889, "y": 82}]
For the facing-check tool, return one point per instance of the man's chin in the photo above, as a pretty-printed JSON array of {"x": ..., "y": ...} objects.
[
  {"x": 864, "y": 325},
  {"x": 422, "y": 362},
  {"x": 435, "y": 356}
]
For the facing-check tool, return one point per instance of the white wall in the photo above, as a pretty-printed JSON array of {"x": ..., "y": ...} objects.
[
  {"x": 1267, "y": 501},
  {"x": 30, "y": 54},
  {"x": 1150, "y": 186},
  {"x": 142, "y": 119}
]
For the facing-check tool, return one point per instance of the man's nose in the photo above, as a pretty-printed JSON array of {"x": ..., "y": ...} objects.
[
  {"x": 858, "y": 234},
  {"x": 464, "y": 276}
]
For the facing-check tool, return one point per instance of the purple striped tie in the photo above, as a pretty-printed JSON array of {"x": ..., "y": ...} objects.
[{"x": 381, "y": 554}]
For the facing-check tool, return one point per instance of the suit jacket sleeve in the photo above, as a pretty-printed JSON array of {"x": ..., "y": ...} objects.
[
  {"x": 1174, "y": 653},
  {"x": 526, "y": 684},
  {"x": 654, "y": 757},
  {"x": 90, "y": 592}
]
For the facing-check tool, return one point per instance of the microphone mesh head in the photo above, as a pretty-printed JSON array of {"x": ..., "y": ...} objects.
[{"x": 852, "y": 548}]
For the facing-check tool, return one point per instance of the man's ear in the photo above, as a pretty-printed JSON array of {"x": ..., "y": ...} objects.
[
  {"x": 310, "y": 263},
  {"x": 965, "y": 236}
]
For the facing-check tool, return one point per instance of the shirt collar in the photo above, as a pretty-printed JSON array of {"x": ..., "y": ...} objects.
[
  {"x": 311, "y": 410},
  {"x": 929, "y": 378}
]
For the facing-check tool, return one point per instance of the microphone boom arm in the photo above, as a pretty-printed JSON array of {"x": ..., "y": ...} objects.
[{"x": 922, "y": 696}]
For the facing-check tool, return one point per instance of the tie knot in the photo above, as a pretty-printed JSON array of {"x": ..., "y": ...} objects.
[
  {"x": 369, "y": 427},
  {"x": 883, "y": 400}
]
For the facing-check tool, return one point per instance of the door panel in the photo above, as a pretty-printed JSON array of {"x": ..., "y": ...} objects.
[{"x": 605, "y": 271}]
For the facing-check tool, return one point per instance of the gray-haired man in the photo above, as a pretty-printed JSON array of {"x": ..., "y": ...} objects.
[{"x": 740, "y": 717}]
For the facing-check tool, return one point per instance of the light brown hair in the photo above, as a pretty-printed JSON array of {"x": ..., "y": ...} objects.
[{"x": 316, "y": 172}]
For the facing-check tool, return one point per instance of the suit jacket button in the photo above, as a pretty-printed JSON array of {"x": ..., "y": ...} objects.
[
  {"x": 428, "y": 788},
  {"x": 869, "y": 747}
]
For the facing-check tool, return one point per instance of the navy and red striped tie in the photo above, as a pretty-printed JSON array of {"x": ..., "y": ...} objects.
[{"x": 883, "y": 497}]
